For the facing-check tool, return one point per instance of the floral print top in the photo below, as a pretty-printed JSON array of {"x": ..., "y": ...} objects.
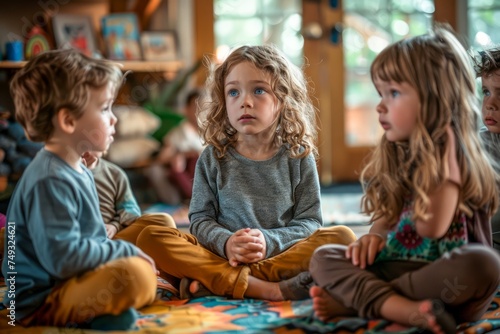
[{"x": 404, "y": 243}]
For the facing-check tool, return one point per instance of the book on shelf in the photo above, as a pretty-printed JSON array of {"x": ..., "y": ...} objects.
[{"x": 121, "y": 36}]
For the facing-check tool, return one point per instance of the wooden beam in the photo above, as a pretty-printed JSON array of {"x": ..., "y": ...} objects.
[
  {"x": 204, "y": 44},
  {"x": 446, "y": 11},
  {"x": 117, "y": 6},
  {"x": 144, "y": 9}
]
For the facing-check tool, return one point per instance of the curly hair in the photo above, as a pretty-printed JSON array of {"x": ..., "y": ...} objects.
[
  {"x": 54, "y": 80},
  {"x": 296, "y": 123},
  {"x": 437, "y": 66},
  {"x": 487, "y": 61}
]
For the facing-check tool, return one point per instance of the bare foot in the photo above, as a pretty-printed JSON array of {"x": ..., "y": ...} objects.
[
  {"x": 261, "y": 289},
  {"x": 194, "y": 287},
  {"x": 437, "y": 319},
  {"x": 425, "y": 314},
  {"x": 198, "y": 290},
  {"x": 325, "y": 307}
]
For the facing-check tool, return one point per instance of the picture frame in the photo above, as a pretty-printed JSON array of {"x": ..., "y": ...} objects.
[
  {"x": 74, "y": 31},
  {"x": 159, "y": 45},
  {"x": 120, "y": 32}
]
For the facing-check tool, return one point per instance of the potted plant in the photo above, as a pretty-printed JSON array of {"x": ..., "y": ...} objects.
[{"x": 162, "y": 103}]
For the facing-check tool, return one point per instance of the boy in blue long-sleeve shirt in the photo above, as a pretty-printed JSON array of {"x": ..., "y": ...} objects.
[{"x": 66, "y": 271}]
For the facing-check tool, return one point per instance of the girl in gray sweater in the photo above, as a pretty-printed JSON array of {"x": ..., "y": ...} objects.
[{"x": 255, "y": 212}]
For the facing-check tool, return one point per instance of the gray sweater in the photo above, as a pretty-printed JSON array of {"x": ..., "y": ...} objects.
[{"x": 280, "y": 196}]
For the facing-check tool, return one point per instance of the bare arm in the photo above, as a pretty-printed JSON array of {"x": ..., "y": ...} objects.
[
  {"x": 444, "y": 201},
  {"x": 380, "y": 227}
]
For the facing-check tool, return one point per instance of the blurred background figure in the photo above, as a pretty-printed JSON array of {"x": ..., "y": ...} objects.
[{"x": 173, "y": 171}]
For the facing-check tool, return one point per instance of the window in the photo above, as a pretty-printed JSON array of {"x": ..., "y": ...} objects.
[
  {"x": 369, "y": 26},
  {"x": 258, "y": 22},
  {"x": 483, "y": 23}
]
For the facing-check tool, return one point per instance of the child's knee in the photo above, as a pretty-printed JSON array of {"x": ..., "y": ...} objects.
[
  {"x": 138, "y": 280},
  {"x": 159, "y": 219},
  {"x": 483, "y": 263},
  {"x": 337, "y": 235},
  {"x": 323, "y": 255},
  {"x": 166, "y": 220}
]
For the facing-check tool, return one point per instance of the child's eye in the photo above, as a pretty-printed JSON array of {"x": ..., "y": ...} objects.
[
  {"x": 259, "y": 91},
  {"x": 232, "y": 92},
  {"x": 486, "y": 92},
  {"x": 395, "y": 93},
  {"x": 106, "y": 109}
]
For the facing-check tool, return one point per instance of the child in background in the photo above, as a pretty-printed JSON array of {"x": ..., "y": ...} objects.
[
  {"x": 119, "y": 209},
  {"x": 488, "y": 69},
  {"x": 68, "y": 273},
  {"x": 255, "y": 213},
  {"x": 427, "y": 260},
  {"x": 172, "y": 174}
]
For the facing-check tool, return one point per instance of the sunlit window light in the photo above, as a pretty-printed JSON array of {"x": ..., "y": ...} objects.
[
  {"x": 377, "y": 44},
  {"x": 400, "y": 27},
  {"x": 222, "y": 53},
  {"x": 482, "y": 38}
]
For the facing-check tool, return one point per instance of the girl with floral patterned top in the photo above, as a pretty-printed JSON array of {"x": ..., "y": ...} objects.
[{"x": 427, "y": 260}]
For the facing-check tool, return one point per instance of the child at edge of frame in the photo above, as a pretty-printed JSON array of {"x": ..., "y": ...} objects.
[
  {"x": 67, "y": 273},
  {"x": 431, "y": 192}
]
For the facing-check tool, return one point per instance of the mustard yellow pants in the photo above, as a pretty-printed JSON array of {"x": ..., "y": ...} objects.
[
  {"x": 109, "y": 289},
  {"x": 180, "y": 255},
  {"x": 131, "y": 232}
]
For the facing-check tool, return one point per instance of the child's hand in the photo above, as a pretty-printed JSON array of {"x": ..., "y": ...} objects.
[
  {"x": 451, "y": 156},
  {"x": 89, "y": 160},
  {"x": 260, "y": 254},
  {"x": 111, "y": 230},
  {"x": 245, "y": 246},
  {"x": 363, "y": 251}
]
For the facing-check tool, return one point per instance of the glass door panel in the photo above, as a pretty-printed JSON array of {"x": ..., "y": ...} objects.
[
  {"x": 369, "y": 26},
  {"x": 483, "y": 18},
  {"x": 258, "y": 22}
]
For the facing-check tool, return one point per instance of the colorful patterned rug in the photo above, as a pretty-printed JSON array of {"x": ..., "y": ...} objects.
[{"x": 213, "y": 314}]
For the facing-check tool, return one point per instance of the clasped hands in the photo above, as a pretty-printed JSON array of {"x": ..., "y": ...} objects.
[{"x": 245, "y": 246}]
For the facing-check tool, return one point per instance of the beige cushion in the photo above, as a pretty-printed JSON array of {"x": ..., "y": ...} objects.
[
  {"x": 127, "y": 152},
  {"x": 135, "y": 121}
]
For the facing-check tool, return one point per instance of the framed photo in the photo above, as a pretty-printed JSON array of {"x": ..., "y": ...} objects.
[
  {"x": 121, "y": 36},
  {"x": 74, "y": 31},
  {"x": 159, "y": 45}
]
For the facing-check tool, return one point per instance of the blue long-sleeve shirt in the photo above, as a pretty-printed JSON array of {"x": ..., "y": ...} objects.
[{"x": 59, "y": 232}]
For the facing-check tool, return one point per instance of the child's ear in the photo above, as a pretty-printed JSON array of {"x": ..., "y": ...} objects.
[{"x": 65, "y": 120}]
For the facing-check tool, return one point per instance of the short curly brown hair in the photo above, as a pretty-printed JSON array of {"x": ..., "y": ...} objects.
[
  {"x": 54, "y": 80},
  {"x": 487, "y": 61}
]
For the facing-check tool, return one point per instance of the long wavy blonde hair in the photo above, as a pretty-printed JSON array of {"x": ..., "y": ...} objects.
[
  {"x": 440, "y": 70},
  {"x": 296, "y": 123}
]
